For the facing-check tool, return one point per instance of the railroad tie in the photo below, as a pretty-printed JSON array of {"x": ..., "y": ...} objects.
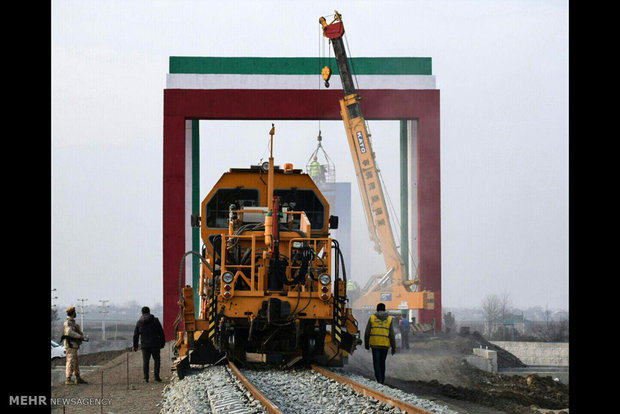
[{"x": 227, "y": 398}]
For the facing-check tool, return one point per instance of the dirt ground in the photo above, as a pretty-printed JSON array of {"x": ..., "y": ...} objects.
[
  {"x": 432, "y": 368},
  {"x": 122, "y": 390}
]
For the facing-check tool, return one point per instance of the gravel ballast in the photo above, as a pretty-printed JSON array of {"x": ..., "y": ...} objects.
[
  {"x": 215, "y": 390},
  {"x": 396, "y": 393},
  {"x": 212, "y": 390},
  {"x": 303, "y": 390}
]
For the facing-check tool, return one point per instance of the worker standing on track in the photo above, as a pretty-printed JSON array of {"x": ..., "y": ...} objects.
[
  {"x": 379, "y": 336},
  {"x": 151, "y": 333},
  {"x": 72, "y": 337}
]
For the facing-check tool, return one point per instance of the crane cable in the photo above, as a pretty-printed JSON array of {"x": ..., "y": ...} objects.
[{"x": 391, "y": 206}]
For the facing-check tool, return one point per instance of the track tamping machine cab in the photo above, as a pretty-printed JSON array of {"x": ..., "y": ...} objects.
[
  {"x": 394, "y": 288},
  {"x": 272, "y": 280}
]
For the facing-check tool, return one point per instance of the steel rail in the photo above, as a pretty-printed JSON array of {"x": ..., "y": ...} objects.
[
  {"x": 401, "y": 405},
  {"x": 270, "y": 407}
]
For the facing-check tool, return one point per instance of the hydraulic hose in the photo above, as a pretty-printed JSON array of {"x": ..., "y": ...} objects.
[
  {"x": 306, "y": 255},
  {"x": 181, "y": 304},
  {"x": 341, "y": 257}
]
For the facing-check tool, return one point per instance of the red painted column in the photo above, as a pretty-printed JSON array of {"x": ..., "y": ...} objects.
[
  {"x": 429, "y": 208},
  {"x": 173, "y": 220}
]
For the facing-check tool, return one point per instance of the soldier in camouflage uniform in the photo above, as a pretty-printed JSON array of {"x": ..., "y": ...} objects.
[{"x": 73, "y": 337}]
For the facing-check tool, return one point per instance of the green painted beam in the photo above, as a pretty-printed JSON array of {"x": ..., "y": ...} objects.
[
  {"x": 404, "y": 196},
  {"x": 196, "y": 210},
  {"x": 298, "y": 65}
]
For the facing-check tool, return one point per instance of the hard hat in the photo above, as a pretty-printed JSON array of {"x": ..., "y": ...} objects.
[
  {"x": 315, "y": 158},
  {"x": 70, "y": 310}
]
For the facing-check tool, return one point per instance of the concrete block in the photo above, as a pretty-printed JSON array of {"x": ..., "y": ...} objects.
[
  {"x": 538, "y": 353},
  {"x": 484, "y": 359},
  {"x": 486, "y": 353}
]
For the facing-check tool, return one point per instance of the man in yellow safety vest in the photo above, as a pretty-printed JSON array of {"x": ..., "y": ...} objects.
[
  {"x": 352, "y": 291},
  {"x": 316, "y": 171},
  {"x": 379, "y": 336}
]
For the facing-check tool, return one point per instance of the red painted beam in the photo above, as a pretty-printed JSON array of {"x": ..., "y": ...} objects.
[{"x": 297, "y": 104}]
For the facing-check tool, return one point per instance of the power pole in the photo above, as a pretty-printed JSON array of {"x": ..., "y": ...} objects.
[
  {"x": 103, "y": 310},
  {"x": 54, "y": 297},
  {"x": 54, "y": 312},
  {"x": 82, "y": 312}
]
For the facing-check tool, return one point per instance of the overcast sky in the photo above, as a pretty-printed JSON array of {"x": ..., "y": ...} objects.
[{"x": 501, "y": 67}]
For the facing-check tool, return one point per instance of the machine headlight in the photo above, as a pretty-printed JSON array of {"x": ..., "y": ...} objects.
[
  {"x": 228, "y": 277},
  {"x": 325, "y": 279}
]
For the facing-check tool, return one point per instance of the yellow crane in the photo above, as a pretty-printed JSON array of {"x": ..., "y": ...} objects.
[{"x": 394, "y": 288}]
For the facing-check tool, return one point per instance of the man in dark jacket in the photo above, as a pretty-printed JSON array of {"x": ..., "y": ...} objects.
[
  {"x": 405, "y": 327},
  {"x": 151, "y": 333},
  {"x": 379, "y": 336}
]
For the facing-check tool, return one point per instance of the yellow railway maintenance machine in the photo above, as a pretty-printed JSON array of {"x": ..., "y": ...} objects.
[{"x": 272, "y": 281}]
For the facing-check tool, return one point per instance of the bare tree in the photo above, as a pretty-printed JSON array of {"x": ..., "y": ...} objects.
[
  {"x": 492, "y": 310},
  {"x": 554, "y": 331},
  {"x": 505, "y": 303},
  {"x": 505, "y": 308},
  {"x": 551, "y": 330}
]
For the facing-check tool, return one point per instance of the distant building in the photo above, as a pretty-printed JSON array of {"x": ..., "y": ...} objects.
[
  {"x": 518, "y": 321},
  {"x": 515, "y": 323},
  {"x": 338, "y": 195}
]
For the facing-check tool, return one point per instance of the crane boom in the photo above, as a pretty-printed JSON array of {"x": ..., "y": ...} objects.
[{"x": 394, "y": 288}]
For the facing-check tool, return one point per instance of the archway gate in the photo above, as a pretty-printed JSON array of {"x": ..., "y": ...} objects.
[{"x": 254, "y": 88}]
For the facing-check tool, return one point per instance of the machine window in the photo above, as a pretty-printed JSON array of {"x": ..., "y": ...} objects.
[
  {"x": 218, "y": 205},
  {"x": 303, "y": 200}
]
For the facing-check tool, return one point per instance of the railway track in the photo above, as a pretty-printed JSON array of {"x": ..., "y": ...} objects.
[{"x": 229, "y": 389}]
